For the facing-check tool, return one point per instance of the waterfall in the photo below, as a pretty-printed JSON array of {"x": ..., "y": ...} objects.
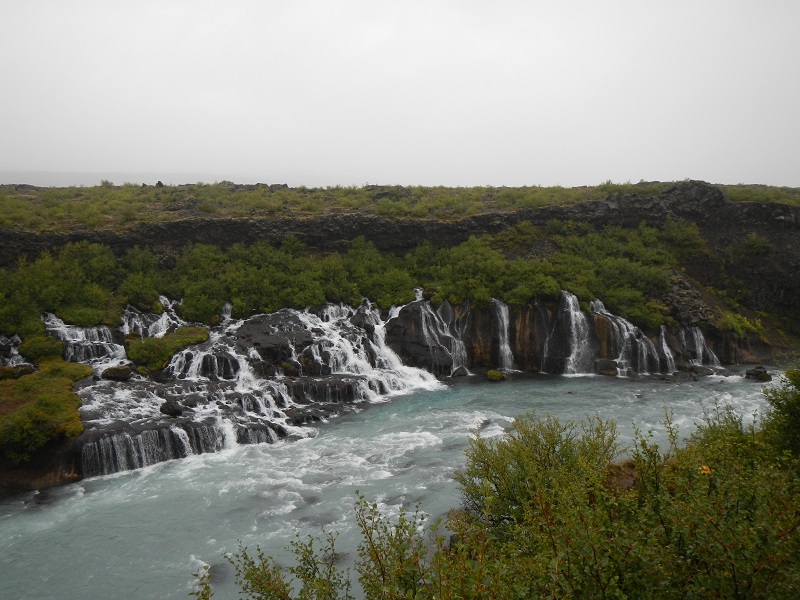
[
  {"x": 134, "y": 322},
  {"x": 505, "y": 355},
  {"x": 123, "y": 451},
  {"x": 635, "y": 352},
  {"x": 228, "y": 393},
  {"x": 662, "y": 338},
  {"x": 581, "y": 358},
  {"x": 92, "y": 345},
  {"x": 9, "y": 351},
  {"x": 439, "y": 338},
  {"x": 697, "y": 349}
]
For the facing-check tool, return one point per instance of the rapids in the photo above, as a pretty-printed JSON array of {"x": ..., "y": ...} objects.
[{"x": 140, "y": 534}]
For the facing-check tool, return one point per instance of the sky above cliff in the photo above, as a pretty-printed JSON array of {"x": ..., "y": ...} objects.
[{"x": 457, "y": 93}]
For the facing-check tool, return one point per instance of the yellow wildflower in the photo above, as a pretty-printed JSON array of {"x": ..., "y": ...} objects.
[{"x": 705, "y": 470}]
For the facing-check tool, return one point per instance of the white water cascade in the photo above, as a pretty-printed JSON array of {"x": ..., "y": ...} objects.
[
  {"x": 662, "y": 338},
  {"x": 695, "y": 344},
  {"x": 9, "y": 351},
  {"x": 440, "y": 338},
  {"x": 92, "y": 345},
  {"x": 142, "y": 324},
  {"x": 581, "y": 358},
  {"x": 224, "y": 393},
  {"x": 635, "y": 352},
  {"x": 505, "y": 354}
]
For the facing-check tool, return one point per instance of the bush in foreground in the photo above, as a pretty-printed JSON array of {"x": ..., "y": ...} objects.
[{"x": 546, "y": 514}]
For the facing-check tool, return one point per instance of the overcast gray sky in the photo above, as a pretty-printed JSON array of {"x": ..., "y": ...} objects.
[{"x": 429, "y": 92}]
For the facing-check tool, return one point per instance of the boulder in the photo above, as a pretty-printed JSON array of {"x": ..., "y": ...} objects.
[
  {"x": 758, "y": 373},
  {"x": 118, "y": 373},
  {"x": 460, "y": 372},
  {"x": 171, "y": 408},
  {"x": 604, "y": 366}
]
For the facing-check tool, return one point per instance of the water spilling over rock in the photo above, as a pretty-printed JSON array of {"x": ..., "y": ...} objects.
[{"x": 261, "y": 379}]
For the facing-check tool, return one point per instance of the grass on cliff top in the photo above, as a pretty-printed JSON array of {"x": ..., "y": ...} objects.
[
  {"x": 761, "y": 193},
  {"x": 110, "y": 207},
  {"x": 38, "y": 408},
  {"x": 154, "y": 353}
]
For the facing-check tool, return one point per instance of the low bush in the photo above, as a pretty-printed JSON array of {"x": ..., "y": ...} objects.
[
  {"x": 546, "y": 513},
  {"x": 39, "y": 408},
  {"x": 154, "y": 353}
]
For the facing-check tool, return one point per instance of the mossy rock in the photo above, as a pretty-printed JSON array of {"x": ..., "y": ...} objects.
[
  {"x": 16, "y": 372},
  {"x": 493, "y": 375}
]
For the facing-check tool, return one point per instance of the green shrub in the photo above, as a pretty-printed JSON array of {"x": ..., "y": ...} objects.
[
  {"x": 546, "y": 513},
  {"x": 39, "y": 408},
  {"x": 41, "y": 346},
  {"x": 155, "y": 353},
  {"x": 783, "y": 423},
  {"x": 731, "y": 321}
]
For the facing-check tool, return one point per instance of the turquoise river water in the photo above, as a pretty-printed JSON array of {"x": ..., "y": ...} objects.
[{"x": 141, "y": 534}]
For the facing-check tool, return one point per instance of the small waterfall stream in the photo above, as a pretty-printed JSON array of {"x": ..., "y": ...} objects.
[
  {"x": 9, "y": 351},
  {"x": 665, "y": 349},
  {"x": 581, "y": 357},
  {"x": 505, "y": 354},
  {"x": 92, "y": 345},
  {"x": 439, "y": 337}
]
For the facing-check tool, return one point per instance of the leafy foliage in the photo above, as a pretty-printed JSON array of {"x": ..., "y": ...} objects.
[
  {"x": 783, "y": 424},
  {"x": 546, "y": 514},
  {"x": 39, "y": 408},
  {"x": 154, "y": 353}
]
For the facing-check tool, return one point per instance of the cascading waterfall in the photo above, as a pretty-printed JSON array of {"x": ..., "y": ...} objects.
[
  {"x": 439, "y": 337},
  {"x": 135, "y": 322},
  {"x": 581, "y": 358},
  {"x": 634, "y": 351},
  {"x": 124, "y": 451},
  {"x": 9, "y": 351},
  {"x": 223, "y": 393},
  {"x": 92, "y": 345},
  {"x": 662, "y": 338},
  {"x": 505, "y": 354},
  {"x": 699, "y": 352},
  {"x": 260, "y": 379}
]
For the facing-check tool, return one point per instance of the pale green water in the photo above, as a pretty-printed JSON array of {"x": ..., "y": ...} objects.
[{"x": 141, "y": 534}]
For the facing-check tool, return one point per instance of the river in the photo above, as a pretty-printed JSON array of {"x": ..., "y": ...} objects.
[{"x": 140, "y": 534}]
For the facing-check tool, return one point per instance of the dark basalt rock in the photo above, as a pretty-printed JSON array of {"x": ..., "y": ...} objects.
[
  {"x": 277, "y": 337},
  {"x": 758, "y": 373},
  {"x": 171, "y": 408},
  {"x": 406, "y": 336},
  {"x": 118, "y": 373},
  {"x": 604, "y": 366}
]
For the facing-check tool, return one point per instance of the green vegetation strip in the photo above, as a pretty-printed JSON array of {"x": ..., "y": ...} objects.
[
  {"x": 86, "y": 284},
  {"x": 38, "y": 408},
  {"x": 111, "y": 207}
]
